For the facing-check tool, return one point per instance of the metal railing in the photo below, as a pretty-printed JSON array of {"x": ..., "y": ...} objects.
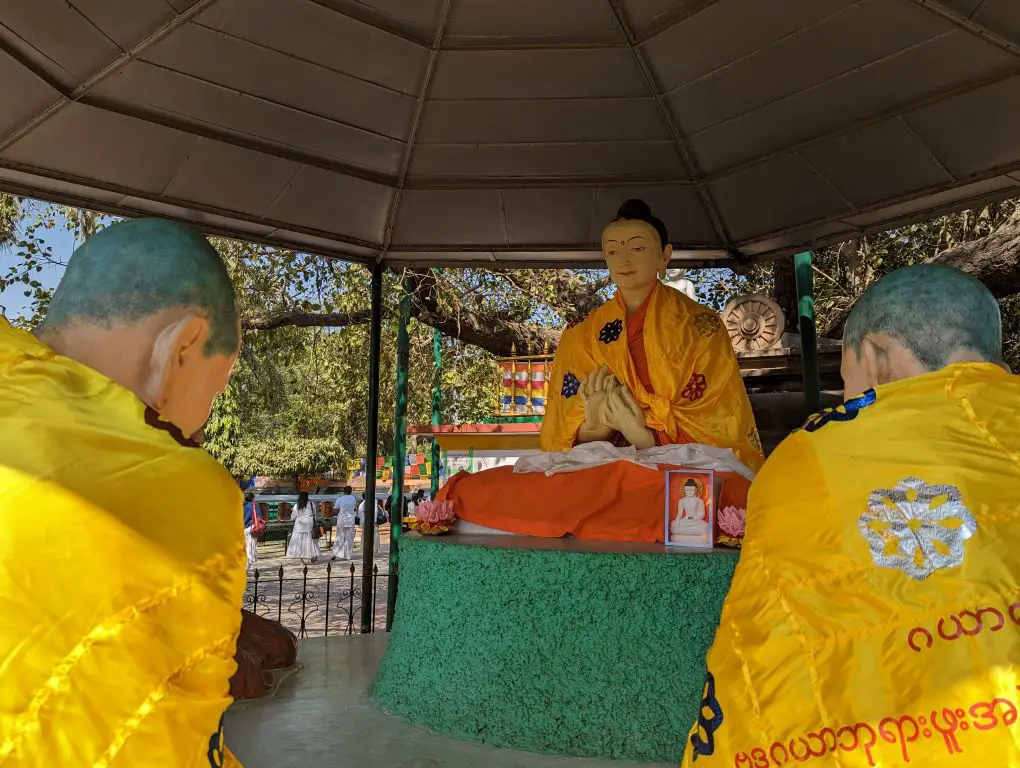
[{"x": 312, "y": 605}]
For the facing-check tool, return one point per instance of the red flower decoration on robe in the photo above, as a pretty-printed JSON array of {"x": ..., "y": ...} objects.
[{"x": 695, "y": 389}]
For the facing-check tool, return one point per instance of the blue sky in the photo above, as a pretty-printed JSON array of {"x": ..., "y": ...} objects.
[{"x": 12, "y": 300}]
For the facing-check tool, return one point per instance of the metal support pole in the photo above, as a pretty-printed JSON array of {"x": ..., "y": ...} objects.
[
  {"x": 371, "y": 439},
  {"x": 399, "y": 449},
  {"x": 808, "y": 334},
  {"x": 437, "y": 404},
  {"x": 437, "y": 398}
]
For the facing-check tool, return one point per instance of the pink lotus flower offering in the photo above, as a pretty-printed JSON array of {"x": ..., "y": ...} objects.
[
  {"x": 434, "y": 512},
  {"x": 434, "y": 517},
  {"x": 732, "y": 521}
]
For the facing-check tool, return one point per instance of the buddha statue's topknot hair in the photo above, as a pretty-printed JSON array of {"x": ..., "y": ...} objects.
[{"x": 638, "y": 210}]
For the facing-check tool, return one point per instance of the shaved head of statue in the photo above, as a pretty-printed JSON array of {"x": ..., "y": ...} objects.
[
  {"x": 149, "y": 303},
  {"x": 916, "y": 320}
]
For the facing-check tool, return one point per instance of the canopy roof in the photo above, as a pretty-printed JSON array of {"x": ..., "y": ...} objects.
[{"x": 508, "y": 131}]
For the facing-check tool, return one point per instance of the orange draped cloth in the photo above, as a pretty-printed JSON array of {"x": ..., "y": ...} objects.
[{"x": 622, "y": 501}]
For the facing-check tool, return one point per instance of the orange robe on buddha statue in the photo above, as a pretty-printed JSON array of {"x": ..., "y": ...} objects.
[{"x": 676, "y": 360}]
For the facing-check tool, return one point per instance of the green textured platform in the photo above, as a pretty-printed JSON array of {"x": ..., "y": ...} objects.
[{"x": 550, "y": 648}]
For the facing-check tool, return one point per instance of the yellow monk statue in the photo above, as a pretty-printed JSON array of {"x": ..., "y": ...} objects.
[
  {"x": 121, "y": 549},
  {"x": 651, "y": 367},
  {"x": 874, "y": 617}
]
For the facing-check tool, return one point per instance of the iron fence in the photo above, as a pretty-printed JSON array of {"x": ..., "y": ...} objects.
[{"x": 313, "y": 605}]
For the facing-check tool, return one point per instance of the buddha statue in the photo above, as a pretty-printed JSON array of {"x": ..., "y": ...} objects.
[
  {"x": 691, "y": 517},
  {"x": 650, "y": 367}
]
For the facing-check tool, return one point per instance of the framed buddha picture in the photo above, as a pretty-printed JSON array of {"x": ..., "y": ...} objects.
[{"x": 690, "y": 508}]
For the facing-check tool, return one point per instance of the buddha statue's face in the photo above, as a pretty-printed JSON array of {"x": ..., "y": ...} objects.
[
  {"x": 634, "y": 255},
  {"x": 690, "y": 491}
]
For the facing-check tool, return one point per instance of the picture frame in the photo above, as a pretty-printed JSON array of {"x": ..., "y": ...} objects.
[{"x": 690, "y": 508}]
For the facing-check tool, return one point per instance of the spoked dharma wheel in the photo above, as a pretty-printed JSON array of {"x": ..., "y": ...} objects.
[{"x": 754, "y": 323}]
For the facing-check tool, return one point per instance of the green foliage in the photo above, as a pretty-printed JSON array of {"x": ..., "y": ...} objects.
[
  {"x": 1010, "y": 308},
  {"x": 298, "y": 398},
  {"x": 286, "y": 456},
  {"x": 223, "y": 431},
  {"x": 10, "y": 215},
  {"x": 25, "y": 226},
  {"x": 301, "y": 394},
  {"x": 843, "y": 272}
]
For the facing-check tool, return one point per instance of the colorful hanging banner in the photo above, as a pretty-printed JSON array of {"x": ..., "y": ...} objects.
[{"x": 523, "y": 387}]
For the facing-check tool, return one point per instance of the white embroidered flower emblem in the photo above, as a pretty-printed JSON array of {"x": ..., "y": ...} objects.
[{"x": 916, "y": 527}]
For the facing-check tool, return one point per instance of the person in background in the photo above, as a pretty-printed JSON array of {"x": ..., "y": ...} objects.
[
  {"x": 360, "y": 516},
  {"x": 118, "y": 645},
  {"x": 880, "y": 559},
  {"x": 381, "y": 516},
  {"x": 302, "y": 545},
  {"x": 417, "y": 498},
  {"x": 346, "y": 508},
  {"x": 250, "y": 544},
  {"x": 362, "y": 511}
]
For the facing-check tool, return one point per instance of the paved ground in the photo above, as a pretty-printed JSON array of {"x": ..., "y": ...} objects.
[
  {"x": 322, "y": 715},
  {"x": 324, "y": 597}
]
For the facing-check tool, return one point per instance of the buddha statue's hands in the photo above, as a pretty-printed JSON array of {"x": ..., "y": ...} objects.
[
  {"x": 623, "y": 414},
  {"x": 594, "y": 390}
]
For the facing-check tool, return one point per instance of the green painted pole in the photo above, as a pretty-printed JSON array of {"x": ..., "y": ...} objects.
[
  {"x": 371, "y": 440},
  {"x": 808, "y": 333},
  {"x": 437, "y": 404},
  {"x": 399, "y": 449}
]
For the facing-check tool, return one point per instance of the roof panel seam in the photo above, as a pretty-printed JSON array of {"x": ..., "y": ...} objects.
[
  {"x": 823, "y": 83},
  {"x": 827, "y": 182},
  {"x": 879, "y": 205},
  {"x": 111, "y": 188},
  {"x": 968, "y": 24},
  {"x": 186, "y": 124},
  {"x": 707, "y": 201},
  {"x": 771, "y": 44},
  {"x": 96, "y": 27},
  {"x": 905, "y": 121},
  {"x": 365, "y": 18},
  {"x": 405, "y": 161},
  {"x": 898, "y": 111},
  {"x": 302, "y": 59},
  {"x": 34, "y": 67},
  {"x": 272, "y": 102},
  {"x": 79, "y": 92}
]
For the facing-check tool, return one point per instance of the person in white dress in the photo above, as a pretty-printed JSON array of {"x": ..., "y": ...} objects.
[
  {"x": 380, "y": 514},
  {"x": 302, "y": 546},
  {"x": 361, "y": 516},
  {"x": 250, "y": 543},
  {"x": 346, "y": 507}
]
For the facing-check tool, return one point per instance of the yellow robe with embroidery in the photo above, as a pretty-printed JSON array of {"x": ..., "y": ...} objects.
[
  {"x": 694, "y": 372},
  {"x": 121, "y": 575},
  {"x": 873, "y": 618}
]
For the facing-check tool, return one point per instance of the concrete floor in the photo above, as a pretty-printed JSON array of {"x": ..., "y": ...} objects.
[{"x": 322, "y": 715}]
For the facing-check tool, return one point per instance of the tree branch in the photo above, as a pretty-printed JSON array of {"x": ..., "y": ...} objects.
[
  {"x": 307, "y": 320},
  {"x": 492, "y": 333},
  {"x": 993, "y": 259}
]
